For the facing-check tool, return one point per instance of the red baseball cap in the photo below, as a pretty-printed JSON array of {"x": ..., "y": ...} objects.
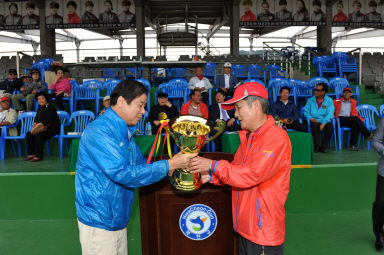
[
  {"x": 5, "y": 99},
  {"x": 244, "y": 90},
  {"x": 347, "y": 89}
]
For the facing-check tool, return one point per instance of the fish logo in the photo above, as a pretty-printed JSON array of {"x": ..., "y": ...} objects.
[
  {"x": 269, "y": 154},
  {"x": 199, "y": 222}
]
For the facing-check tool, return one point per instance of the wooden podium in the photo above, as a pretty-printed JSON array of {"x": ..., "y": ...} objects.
[{"x": 161, "y": 207}]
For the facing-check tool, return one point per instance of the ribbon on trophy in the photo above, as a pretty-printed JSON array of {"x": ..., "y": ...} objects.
[{"x": 156, "y": 143}]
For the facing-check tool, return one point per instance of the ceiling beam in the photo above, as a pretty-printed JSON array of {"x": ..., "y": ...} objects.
[
  {"x": 10, "y": 39},
  {"x": 68, "y": 38},
  {"x": 359, "y": 35},
  {"x": 217, "y": 25}
]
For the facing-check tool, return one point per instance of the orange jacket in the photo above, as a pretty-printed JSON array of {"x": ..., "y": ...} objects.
[
  {"x": 203, "y": 108},
  {"x": 354, "y": 112},
  {"x": 259, "y": 176}
]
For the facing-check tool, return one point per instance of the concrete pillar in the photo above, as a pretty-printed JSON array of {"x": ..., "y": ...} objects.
[
  {"x": 140, "y": 30},
  {"x": 324, "y": 33},
  {"x": 47, "y": 36},
  {"x": 235, "y": 29}
]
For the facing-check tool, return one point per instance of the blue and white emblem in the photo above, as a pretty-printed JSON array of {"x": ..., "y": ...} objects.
[{"x": 198, "y": 222}]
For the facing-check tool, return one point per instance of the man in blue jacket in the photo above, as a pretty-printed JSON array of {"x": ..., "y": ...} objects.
[
  {"x": 227, "y": 81},
  {"x": 109, "y": 168},
  {"x": 319, "y": 111}
]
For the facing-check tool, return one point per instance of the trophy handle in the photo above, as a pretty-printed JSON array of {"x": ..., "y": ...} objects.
[
  {"x": 220, "y": 127},
  {"x": 173, "y": 136}
]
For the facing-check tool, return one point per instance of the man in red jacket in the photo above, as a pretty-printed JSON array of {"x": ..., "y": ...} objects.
[
  {"x": 346, "y": 111},
  {"x": 259, "y": 174},
  {"x": 195, "y": 106}
]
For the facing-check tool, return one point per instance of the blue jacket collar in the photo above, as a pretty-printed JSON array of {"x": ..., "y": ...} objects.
[{"x": 120, "y": 122}]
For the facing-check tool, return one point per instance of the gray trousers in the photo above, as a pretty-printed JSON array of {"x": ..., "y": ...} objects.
[{"x": 16, "y": 101}]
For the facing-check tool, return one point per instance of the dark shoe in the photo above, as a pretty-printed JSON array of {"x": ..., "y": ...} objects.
[
  {"x": 379, "y": 244},
  {"x": 322, "y": 150},
  {"x": 370, "y": 137},
  {"x": 354, "y": 148},
  {"x": 316, "y": 149},
  {"x": 35, "y": 159}
]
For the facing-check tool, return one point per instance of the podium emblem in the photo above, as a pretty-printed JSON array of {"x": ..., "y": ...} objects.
[{"x": 198, "y": 222}]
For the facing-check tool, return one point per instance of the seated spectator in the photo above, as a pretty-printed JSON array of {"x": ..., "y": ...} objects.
[
  {"x": 286, "y": 111},
  {"x": 46, "y": 125},
  {"x": 163, "y": 105},
  {"x": 28, "y": 91},
  {"x": 195, "y": 106},
  {"x": 218, "y": 113},
  {"x": 8, "y": 116},
  {"x": 11, "y": 84},
  {"x": 62, "y": 86},
  {"x": 106, "y": 104},
  {"x": 26, "y": 79},
  {"x": 227, "y": 81},
  {"x": 319, "y": 111},
  {"x": 200, "y": 83},
  {"x": 346, "y": 111}
]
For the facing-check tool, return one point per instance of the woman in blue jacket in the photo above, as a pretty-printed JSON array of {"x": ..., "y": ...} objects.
[
  {"x": 109, "y": 168},
  {"x": 319, "y": 111}
]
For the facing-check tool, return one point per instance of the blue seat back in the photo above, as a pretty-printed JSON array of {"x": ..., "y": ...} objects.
[
  {"x": 256, "y": 72},
  {"x": 145, "y": 82},
  {"x": 239, "y": 71},
  {"x": 338, "y": 84},
  {"x": 110, "y": 73},
  {"x": 87, "y": 92},
  {"x": 255, "y": 80},
  {"x": 178, "y": 73},
  {"x": 133, "y": 72},
  {"x": 63, "y": 117},
  {"x": 141, "y": 125},
  {"x": 368, "y": 112},
  {"x": 109, "y": 85},
  {"x": 81, "y": 119},
  {"x": 381, "y": 111},
  {"x": 316, "y": 80},
  {"x": 26, "y": 120}
]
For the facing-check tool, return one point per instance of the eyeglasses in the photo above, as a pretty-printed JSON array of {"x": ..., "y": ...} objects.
[{"x": 318, "y": 90}]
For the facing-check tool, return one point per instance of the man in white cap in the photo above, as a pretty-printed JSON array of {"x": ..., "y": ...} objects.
[
  {"x": 106, "y": 104},
  {"x": 259, "y": 174},
  {"x": 227, "y": 81}
]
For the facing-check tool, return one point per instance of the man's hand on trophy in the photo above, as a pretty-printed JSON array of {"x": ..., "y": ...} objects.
[
  {"x": 199, "y": 165},
  {"x": 180, "y": 160}
]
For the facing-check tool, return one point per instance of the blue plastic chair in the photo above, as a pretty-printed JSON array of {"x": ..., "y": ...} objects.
[
  {"x": 178, "y": 73},
  {"x": 340, "y": 83},
  {"x": 316, "y": 80},
  {"x": 276, "y": 84},
  {"x": 340, "y": 133},
  {"x": 176, "y": 94},
  {"x": 381, "y": 111},
  {"x": 368, "y": 113},
  {"x": 275, "y": 71},
  {"x": 110, "y": 73},
  {"x": 109, "y": 85},
  {"x": 240, "y": 72},
  {"x": 346, "y": 65},
  {"x": 133, "y": 72},
  {"x": 159, "y": 75},
  {"x": 209, "y": 71},
  {"x": 64, "y": 118},
  {"x": 141, "y": 125},
  {"x": 325, "y": 65},
  {"x": 255, "y": 80},
  {"x": 81, "y": 119},
  {"x": 302, "y": 89},
  {"x": 88, "y": 91},
  {"x": 256, "y": 72},
  {"x": 26, "y": 121}
]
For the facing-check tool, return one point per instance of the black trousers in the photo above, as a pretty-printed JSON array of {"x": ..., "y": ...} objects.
[
  {"x": 246, "y": 247},
  {"x": 296, "y": 125},
  {"x": 59, "y": 101},
  {"x": 35, "y": 143},
  {"x": 378, "y": 208},
  {"x": 316, "y": 134},
  {"x": 356, "y": 126}
]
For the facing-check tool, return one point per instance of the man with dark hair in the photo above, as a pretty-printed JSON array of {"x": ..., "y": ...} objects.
[
  {"x": 109, "y": 168},
  {"x": 108, "y": 16},
  {"x": 31, "y": 18},
  {"x": 319, "y": 110},
  {"x": 286, "y": 111},
  {"x": 11, "y": 84},
  {"x": 73, "y": 18},
  {"x": 195, "y": 106},
  {"x": 88, "y": 17},
  {"x": 54, "y": 18},
  {"x": 126, "y": 16},
  {"x": 356, "y": 15},
  {"x": 266, "y": 15},
  {"x": 259, "y": 174},
  {"x": 346, "y": 111},
  {"x": 163, "y": 105},
  {"x": 373, "y": 15},
  {"x": 13, "y": 18},
  {"x": 318, "y": 14},
  {"x": 283, "y": 14},
  {"x": 217, "y": 112}
]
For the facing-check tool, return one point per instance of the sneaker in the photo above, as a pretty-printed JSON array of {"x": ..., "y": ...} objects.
[
  {"x": 379, "y": 244},
  {"x": 316, "y": 149},
  {"x": 354, "y": 148}
]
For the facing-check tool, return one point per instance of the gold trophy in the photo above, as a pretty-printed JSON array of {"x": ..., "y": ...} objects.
[{"x": 190, "y": 133}]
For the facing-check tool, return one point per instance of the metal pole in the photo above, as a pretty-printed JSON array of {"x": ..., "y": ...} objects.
[
  {"x": 360, "y": 64},
  {"x": 77, "y": 43},
  {"x": 121, "y": 47},
  {"x": 18, "y": 64}
]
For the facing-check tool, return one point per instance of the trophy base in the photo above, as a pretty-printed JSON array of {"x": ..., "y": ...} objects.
[{"x": 185, "y": 181}]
